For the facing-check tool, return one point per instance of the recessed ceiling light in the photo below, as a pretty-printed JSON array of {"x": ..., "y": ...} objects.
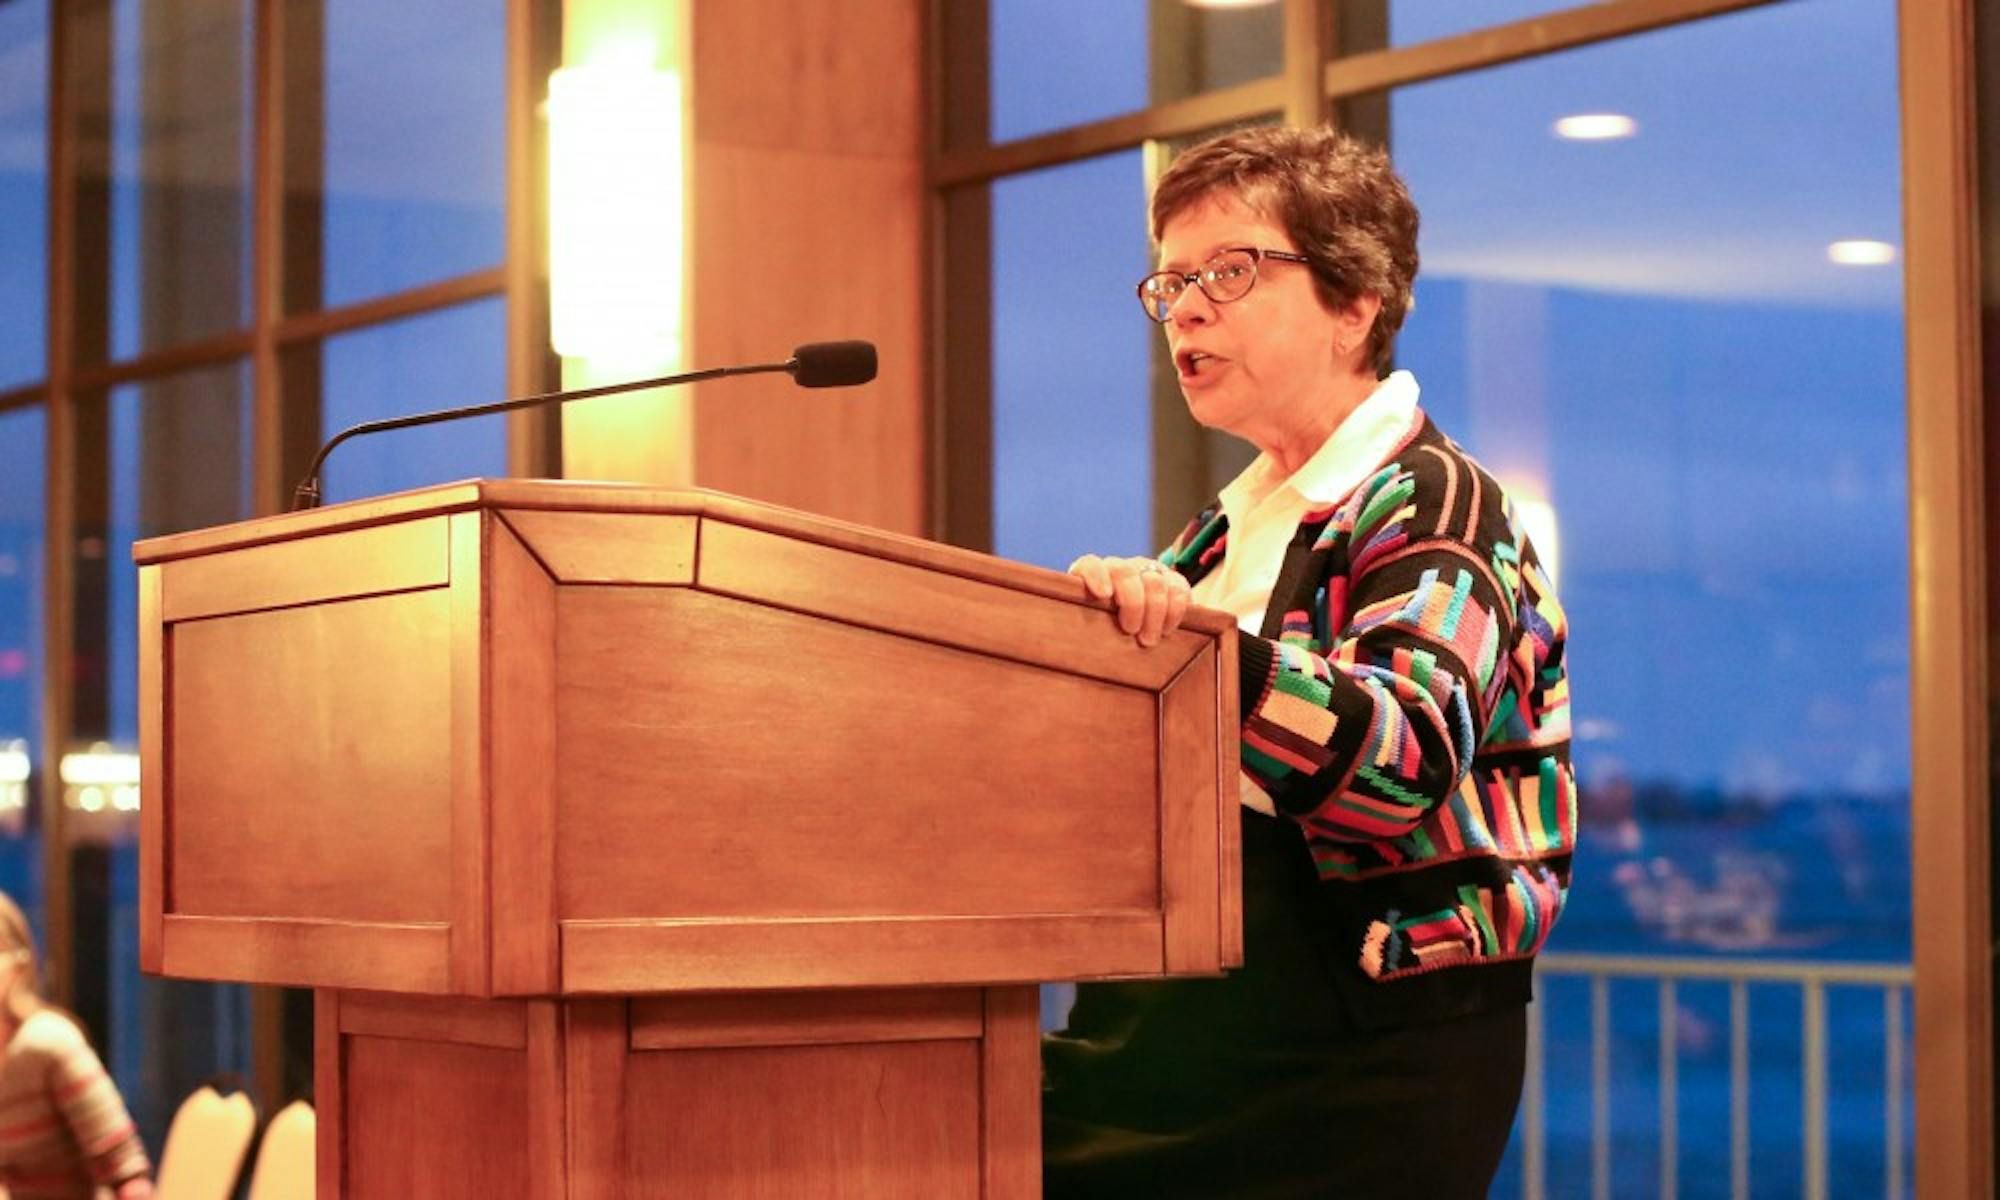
[
  {"x": 1861, "y": 253},
  {"x": 1596, "y": 127}
]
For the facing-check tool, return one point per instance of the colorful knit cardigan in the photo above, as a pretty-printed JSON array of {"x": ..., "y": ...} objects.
[{"x": 1407, "y": 705}]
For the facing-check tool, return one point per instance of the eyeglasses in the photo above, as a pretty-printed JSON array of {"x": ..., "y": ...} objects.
[{"x": 1228, "y": 276}]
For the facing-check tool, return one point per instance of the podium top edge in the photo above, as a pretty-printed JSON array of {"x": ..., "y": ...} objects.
[
  {"x": 465, "y": 495},
  {"x": 470, "y": 495}
]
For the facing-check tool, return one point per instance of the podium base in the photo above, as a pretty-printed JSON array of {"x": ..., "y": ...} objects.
[{"x": 926, "y": 1094}]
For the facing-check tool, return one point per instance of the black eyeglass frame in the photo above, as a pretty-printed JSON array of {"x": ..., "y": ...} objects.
[{"x": 1199, "y": 278}]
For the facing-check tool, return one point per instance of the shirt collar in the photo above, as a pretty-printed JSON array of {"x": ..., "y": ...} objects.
[{"x": 1358, "y": 445}]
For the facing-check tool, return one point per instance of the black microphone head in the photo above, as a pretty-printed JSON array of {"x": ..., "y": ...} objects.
[{"x": 833, "y": 364}]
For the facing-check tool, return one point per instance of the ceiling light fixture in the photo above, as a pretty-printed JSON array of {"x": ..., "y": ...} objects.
[
  {"x": 1596, "y": 127},
  {"x": 1861, "y": 252}
]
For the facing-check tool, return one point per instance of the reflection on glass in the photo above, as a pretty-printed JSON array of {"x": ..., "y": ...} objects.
[
  {"x": 412, "y": 186},
  {"x": 1649, "y": 335},
  {"x": 438, "y": 360},
  {"x": 1111, "y": 57},
  {"x": 23, "y": 440},
  {"x": 154, "y": 458},
  {"x": 175, "y": 101},
  {"x": 24, "y": 186},
  {"x": 1071, "y": 417}
]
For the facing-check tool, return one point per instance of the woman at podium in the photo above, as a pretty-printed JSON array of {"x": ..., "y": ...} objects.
[{"x": 1408, "y": 808}]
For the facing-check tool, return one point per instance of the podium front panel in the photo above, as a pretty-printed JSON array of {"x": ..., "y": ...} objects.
[
  {"x": 526, "y": 739},
  {"x": 302, "y": 762}
]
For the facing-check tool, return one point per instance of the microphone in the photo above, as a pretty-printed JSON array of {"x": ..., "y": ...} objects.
[
  {"x": 833, "y": 364},
  {"x": 816, "y": 365}
]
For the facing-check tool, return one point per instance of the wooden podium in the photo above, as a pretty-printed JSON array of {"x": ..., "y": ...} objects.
[{"x": 645, "y": 843}]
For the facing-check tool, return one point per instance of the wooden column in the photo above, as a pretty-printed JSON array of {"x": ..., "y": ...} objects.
[
  {"x": 808, "y": 225},
  {"x": 1951, "y": 808}
]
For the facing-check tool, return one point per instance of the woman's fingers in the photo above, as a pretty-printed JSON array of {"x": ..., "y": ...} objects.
[
  {"x": 1129, "y": 583},
  {"x": 1177, "y": 603},
  {"x": 1150, "y": 597},
  {"x": 1095, "y": 573},
  {"x": 1158, "y": 604}
]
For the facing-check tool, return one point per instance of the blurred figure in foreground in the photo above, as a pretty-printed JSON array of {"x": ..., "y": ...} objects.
[{"x": 64, "y": 1129}]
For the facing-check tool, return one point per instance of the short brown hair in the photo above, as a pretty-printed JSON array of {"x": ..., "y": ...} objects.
[{"x": 1337, "y": 196}]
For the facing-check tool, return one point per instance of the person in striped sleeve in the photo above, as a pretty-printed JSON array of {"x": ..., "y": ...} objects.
[
  {"x": 64, "y": 1129},
  {"x": 1408, "y": 808}
]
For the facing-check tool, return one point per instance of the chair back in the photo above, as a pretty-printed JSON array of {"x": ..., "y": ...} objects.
[
  {"x": 205, "y": 1145},
  {"x": 285, "y": 1163}
]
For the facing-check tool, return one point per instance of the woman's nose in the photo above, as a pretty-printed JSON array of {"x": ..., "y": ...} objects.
[{"x": 1191, "y": 307}]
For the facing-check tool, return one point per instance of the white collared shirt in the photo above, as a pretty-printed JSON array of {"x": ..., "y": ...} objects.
[{"x": 1264, "y": 512}]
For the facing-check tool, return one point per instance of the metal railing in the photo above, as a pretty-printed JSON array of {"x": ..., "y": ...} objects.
[{"x": 1811, "y": 978}]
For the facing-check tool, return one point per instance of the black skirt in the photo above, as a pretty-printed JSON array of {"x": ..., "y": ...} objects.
[{"x": 1262, "y": 1084}]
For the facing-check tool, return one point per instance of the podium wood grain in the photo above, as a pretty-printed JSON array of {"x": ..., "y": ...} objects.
[{"x": 651, "y": 843}]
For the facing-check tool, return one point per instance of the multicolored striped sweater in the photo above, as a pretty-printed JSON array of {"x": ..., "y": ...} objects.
[
  {"x": 64, "y": 1130},
  {"x": 1407, "y": 705}
]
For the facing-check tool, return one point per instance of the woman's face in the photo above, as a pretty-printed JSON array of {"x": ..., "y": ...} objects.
[{"x": 1257, "y": 364}]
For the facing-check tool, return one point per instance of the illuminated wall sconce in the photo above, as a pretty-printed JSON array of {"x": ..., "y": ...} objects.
[{"x": 617, "y": 167}]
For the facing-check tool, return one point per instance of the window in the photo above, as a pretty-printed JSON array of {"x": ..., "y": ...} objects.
[
  {"x": 390, "y": 179},
  {"x": 411, "y": 180},
  {"x": 1111, "y": 57},
  {"x": 24, "y": 189},
  {"x": 22, "y": 446},
  {"x": 1068, "y": 341},
  {"x": 176, "y": 168},
  {"x": 1650, "y": 337},
  {"x": 437, "y": 360},
  {"x": 161, "y": 1038},
  {"x": 1371, "y": 24}
]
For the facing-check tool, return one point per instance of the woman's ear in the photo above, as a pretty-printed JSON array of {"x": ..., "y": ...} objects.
[{"x": 1352, "y": 323}]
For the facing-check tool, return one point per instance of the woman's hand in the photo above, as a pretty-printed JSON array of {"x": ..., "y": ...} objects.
[
  {"x": 1151, "y": 596},
  {"x": 139, "y": 1188}
]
